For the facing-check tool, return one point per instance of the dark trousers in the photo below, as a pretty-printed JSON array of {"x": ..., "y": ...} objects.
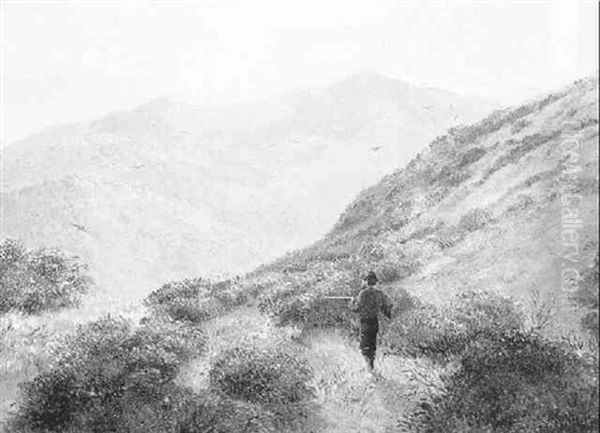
[{"x": 368, "y": 339}]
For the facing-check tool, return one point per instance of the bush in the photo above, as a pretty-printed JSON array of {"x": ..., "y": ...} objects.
[
  {"x": 105, "y": 376},
  {"x": 308, "y": 311},
  {"x": 522, "y": 148},
  {"x": 444, "y": 332},
  {"x": 32, "y": 281},
  {"x": 276, "y": 381},
  {"x": 448, "y": 237},
  {"x": 506, "y": 379},
  {"x": 425, "y": 331},
  {"x": 519, "y": 125},
  {"x": 194, "y": 300},
  {"x": 209, "y": 412},
  {"x": 474, "y": 220},
  {"x": 513, "y": 382},
  {"x": 522, "y": 201},
  {"x": 471, "y": 156},
  {"x": 482, "y": 312},
  {"x": 298, "y": 298},
  {"x": 431, "y": 227},
  {"x": 390, "y": 272},
  {"x": 586, "y": 296}
]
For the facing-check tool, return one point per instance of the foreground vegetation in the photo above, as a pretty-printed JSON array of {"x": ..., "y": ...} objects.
[
  {"x": 113, "y": 376},
  {"x": 501, "y": 375},
  {"x": 505, "y": 377}
]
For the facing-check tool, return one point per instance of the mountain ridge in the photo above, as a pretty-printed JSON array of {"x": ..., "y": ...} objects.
[
  {"x": 477, "y": 209},
  {"x": 169, "y": 190}
]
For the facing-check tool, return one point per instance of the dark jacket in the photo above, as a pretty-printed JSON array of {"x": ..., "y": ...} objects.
[{"x": 370, "y": 302}]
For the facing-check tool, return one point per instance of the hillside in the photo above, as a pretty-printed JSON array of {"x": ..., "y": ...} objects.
[
  {"x": 474, "y": 217},
  {"x": 479, "y": 209},
  {"x": 172, "y": 189}
]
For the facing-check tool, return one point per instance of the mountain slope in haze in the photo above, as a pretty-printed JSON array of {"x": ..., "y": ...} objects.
[
  {"x": 173, "y": 189},
  {"x": 509, "y": 205}
]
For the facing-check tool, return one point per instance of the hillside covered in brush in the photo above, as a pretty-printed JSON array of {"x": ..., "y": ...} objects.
[
  {"x": 174, "y": 189},
  {"x": 484, "y": 336},
  {"x": 479, "y": 209}
]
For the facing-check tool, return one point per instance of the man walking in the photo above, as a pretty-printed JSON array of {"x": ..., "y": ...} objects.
[{"x": 368, "y": 304}]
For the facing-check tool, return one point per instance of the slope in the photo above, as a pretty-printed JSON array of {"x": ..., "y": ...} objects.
[
  {"x": 173, "y": 189},
  {"x": 509, "y": 204}
]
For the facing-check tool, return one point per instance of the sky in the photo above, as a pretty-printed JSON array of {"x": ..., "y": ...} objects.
[{"x": 73, "y": 61}]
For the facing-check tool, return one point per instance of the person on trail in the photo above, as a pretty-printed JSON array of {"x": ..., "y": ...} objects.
[{"x": 368, "y": 304}]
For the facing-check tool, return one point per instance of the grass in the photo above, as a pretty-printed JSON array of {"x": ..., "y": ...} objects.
[{"x": 26, "y": 341}]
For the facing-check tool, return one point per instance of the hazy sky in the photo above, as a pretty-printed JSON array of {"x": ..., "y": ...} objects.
[{"x": 68, "y": 61}]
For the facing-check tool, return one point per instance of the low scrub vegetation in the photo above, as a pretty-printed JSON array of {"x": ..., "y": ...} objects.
[
  {"x": 521, "y": 202},
  {"x": 511, "y": 381},
  {"x": 500, "y": 119},
  {"x": 114, "y": 376},
  {"x": 108, "y": 376},
  {"x": 298, "y": 298},
  {"x": 32, "y": 281},
  {"x": 474, "y": 220},
  {"x": 587, "y": 297},
  {"x": 520, "y": 149},
  {"x": 276, "y": 381},
  {"x": 196, "y": 300},
  {"x": 505, "y": 378},
  {"x": 441, "y": 332}
]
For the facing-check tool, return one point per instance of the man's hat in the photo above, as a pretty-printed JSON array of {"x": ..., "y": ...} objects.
[{"x": 371, "y": 277}]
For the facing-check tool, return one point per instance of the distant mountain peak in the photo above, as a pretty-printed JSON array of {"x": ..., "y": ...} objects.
[
  {"x": 167, "y": 102},
  {"x": 368, "y": 80},
  {"x": 223, "y": 188}
]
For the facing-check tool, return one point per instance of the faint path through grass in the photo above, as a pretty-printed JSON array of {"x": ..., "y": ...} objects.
[{"x": 351, "y": 399}]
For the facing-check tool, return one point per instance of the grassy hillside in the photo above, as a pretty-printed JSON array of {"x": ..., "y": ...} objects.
[
  {"x": 486, "y": 336},
  {"x": 479, "y": 209},
  {"x": 174, "y": 189}
]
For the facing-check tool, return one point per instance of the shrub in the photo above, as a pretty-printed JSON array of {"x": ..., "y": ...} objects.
[
  {"x": 274, "y": 380},
  {"x": 505, "y": 380},
  {"x": 447, "y": 237},
  {"x": 490, "y": 124},
  {"x": 519, "y": 125},
  {"x": 444, "y": 332},
  {"x": 484, "y": 312},
  {"x": 180, "y": 301},
  {"x": 390, "y": 272},
  {"x": 308, "y": 311},
  {"x": 297, "y": 298},
  {"x": 522, "y": 201},
  {"x": 209, "y": 412},
  {"x": 424, "y": 331},
  {"x": 541, "y": 176},
  {"x": 525, "y": 146},
  {"x": 542, "y": 310},
  {"x": 586, "y": 296},
  {"x": 402, "y": 300},
  {"x": 32, "y": 281},
  {"x": 170, "y": 292},
  {"x": 429, "y": 229},
  {"x": 194, "y": 300},
  {"x": 512, "y": 382},
  {"x": 474, "y": 220},
  {"x": 471, "y": 156},
  {"x": 104, "y": 376}
]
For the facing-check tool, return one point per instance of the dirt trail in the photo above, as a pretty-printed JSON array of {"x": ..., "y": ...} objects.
[{"x": 351, "y": 399}]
